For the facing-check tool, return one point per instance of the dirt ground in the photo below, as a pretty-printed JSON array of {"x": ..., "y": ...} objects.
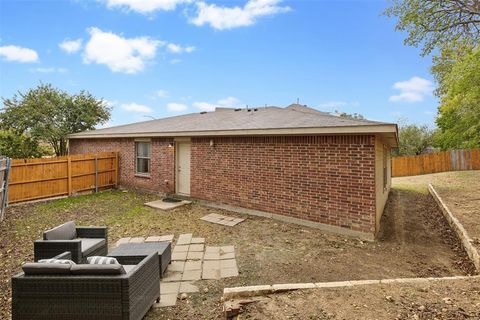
[
  {"x": 414, "y": 242},
  {"x": 461, "y": 192},
  {"x": 459, "y": 299}
]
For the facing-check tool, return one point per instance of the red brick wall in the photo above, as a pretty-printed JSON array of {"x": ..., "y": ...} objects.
[
  {"x": 326, "y": 179},
  {"x": 162, "y": 175}
]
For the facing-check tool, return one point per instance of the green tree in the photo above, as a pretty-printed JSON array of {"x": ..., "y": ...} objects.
[
  {"x": 19, "y": 146},
  {"x": 434, "y": 23},
  {"x": 413, "y": 139},
  {"x": 47, "y": 114},
  {"x": 457, "y": 71},
  {"x": 352, "y": 116}
]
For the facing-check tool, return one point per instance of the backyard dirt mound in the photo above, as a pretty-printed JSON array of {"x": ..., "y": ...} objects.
[
  {"x": 452, "y": 300},
  {"x": 414, "y": 242}
]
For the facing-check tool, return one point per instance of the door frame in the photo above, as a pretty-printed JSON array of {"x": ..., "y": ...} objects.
[{"x": 179, "y": 141}]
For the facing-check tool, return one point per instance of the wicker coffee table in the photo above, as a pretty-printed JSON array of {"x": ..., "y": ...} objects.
[{"x": 138, "y": 250}]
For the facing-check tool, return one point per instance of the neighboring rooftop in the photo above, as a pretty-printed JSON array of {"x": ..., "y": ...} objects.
[{"x": 294, "y": 119}]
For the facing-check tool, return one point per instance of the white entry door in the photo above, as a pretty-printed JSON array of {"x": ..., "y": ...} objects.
[{"x": 183, "y": 168}]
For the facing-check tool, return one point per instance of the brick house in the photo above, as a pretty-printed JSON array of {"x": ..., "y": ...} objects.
[{"x": 295, "y": 163}]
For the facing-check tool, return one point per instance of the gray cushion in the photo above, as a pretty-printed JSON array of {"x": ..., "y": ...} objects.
[
  {"x": 36, "y": 268},
  {"x": 91, "y": 244},
  {"x": 97, "y": 269},
  {"x": 65, "y": 231}
]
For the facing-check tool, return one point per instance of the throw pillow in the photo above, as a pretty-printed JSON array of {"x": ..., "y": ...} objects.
[{"x": 101, "y": 260}]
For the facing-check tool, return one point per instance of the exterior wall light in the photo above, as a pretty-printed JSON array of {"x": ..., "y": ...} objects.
[{"x": 211, "y": 142}]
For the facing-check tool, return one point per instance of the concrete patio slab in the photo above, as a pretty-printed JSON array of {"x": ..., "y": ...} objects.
[
  {"x": 196, "y": 247},
  {"x": 123, "y": 240},
  {"x": 137, "y": 240},
  {"x": 167, "y": 300},
  {"x": 192, "y": 275},
  {"x": 172, "y": 276},
  {"x": 227, "y": 249},
  {"x": 181, "y": 248},
  {"x": 212, "y": 249},
  {"x": 211, "y": 264},
  {"x": 230, "y": 263},
  {"x": 168, "y": 237},
  {"x": 197, "y": 240},
  {"x": 153, "y": 239},
  {"x": 229, "y": 272},
  {"x": 193, "y": 265},
  {"x": 184, "y": 238},
  {"x": 179, "y": 256},
  {"x": 165, "y": 206},
  {"x": 188, "y": 287},
  {"x": 176, "y": 266},
  {"x": 211, "y": 274},
  {"x": 211, "y": 256},
  {"x": 223, "y": 220},
  {"x": 169, "y": 287},
  {"x": 194, "y": 255}
]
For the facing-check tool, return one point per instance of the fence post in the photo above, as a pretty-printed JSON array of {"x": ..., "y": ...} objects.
[
  {"x": 69, "y": 175},
  {"x": 96, "y": 173},
  {"x": 116, "y": 169}
]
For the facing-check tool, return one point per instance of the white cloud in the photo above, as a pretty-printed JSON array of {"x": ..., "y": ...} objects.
[
  {"x": 71, "y": 46},
  {"x": 177, "y": 107},
  {"x": 413, "y": 90},
  {"x": 135, "y": 107},
  {"x": 228, "y": 102},
  {"x": 18, "y": 54},
  {"x": 222, "y": 18},
  {"x": 118, "y": 53},
  {"x": 176, "y": 48},
  {"x": 146, "y": 6},
  {"x": 49, "y": 70},
  {"x": 161, "y": 93}
]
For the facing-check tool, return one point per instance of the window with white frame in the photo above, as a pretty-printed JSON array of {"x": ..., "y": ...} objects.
[{"x": 142, "y": 160}]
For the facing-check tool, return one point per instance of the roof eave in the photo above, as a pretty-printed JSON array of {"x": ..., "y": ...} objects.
[{"x": 361, "y": 129}]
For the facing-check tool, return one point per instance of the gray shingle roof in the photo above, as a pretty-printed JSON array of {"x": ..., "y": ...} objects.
[{"x": 235, "y": 120}]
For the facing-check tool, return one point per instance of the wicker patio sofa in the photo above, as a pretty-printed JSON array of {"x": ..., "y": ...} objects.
[
  {"x": 85, "y": 295},
  {"x": 82, "y": 242}
]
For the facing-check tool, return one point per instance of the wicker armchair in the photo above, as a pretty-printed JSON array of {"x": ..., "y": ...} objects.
[
  {"x": 82, "y": 242},
  {"x": 67, "y": 296}
]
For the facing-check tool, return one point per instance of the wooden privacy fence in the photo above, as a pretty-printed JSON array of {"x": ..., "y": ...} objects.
[
  {"x": 436, "y": 162},
  {"x": 33, "y": 179}
]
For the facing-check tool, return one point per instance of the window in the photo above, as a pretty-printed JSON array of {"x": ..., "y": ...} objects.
[
  {"x": 385, "y": 166},
  {"x": 142, "y": 157}
]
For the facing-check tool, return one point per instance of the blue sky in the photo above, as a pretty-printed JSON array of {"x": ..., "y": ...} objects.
[{"x": 167, "y": 57}]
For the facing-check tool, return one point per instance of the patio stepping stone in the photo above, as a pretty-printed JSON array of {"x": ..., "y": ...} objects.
[
  {"x": 211, "y": 274},
  {"x": 192, "y": 275},
  {"x": 181, "y": 248},
  {"x": 196, "y": 247},
  {"x": 122, "y": 241},
  {"x": 193, "y": 265},
  {"x": 179, "y": 256},
  {"x": 169, "y": 287},
  {"x": 137, "y": 240},
  {"x": 192, "y": 260},
  {"x": 162, "y": 205},
  {"x": 223, "y": 220},
  {"x": 188, "y": 287},
  {"x": 172, "y": 276},
  {"x": 192, "y": 255},
  {"x": 197, "y": 240},
  {"x": 167, "y": 300},
  {"x": 176, "y": 266},
  {"x": 184, "y": 238}
]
